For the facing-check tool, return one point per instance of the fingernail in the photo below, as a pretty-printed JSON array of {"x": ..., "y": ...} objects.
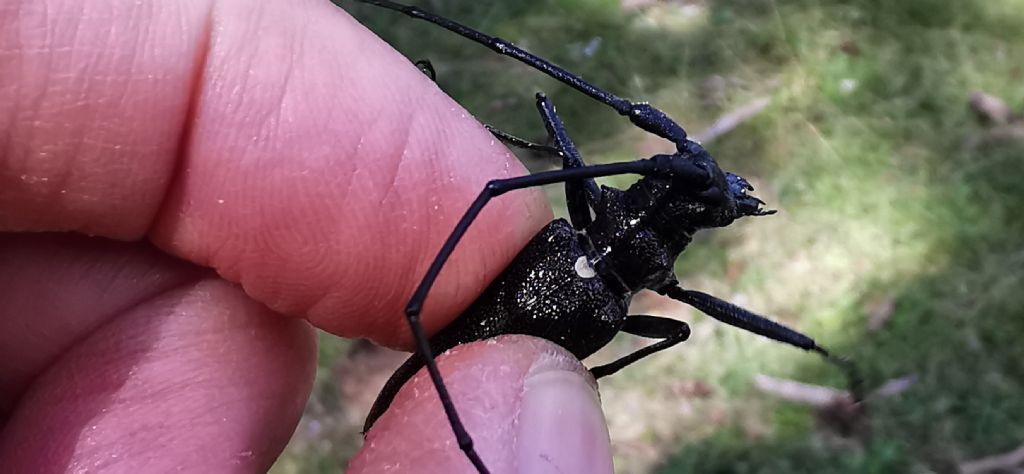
[{"x": 561, "y": 425}]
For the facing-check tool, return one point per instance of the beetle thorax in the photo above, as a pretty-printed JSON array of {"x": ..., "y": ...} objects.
[
  {"x": 623, "y": 235},
  {"x": 642, "y": 230}
]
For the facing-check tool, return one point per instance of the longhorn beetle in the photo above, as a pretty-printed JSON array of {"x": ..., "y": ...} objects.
[{"x": 573, "y": 281}]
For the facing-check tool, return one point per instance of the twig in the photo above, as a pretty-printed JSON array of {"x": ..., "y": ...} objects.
[
  {"x": 893, "y": 387},
  {"x": 821, "y": 397},
  {"x": 733, "y": 119},
  {"x": 1005, "y": 461},
  {"x": 990, "y": 108},
  {"x": 814, "y": 395}
]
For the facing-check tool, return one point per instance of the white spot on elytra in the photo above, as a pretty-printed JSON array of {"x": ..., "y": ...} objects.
[
  {"x": 634, "y": 221},
  {"x": 583, "y": 268}
]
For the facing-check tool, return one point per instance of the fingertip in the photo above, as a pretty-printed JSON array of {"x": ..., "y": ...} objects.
[
  {"x": 529, "y": 405},
  {"x": 324, "y": 171},
  {"x": 278, "y": 142}
]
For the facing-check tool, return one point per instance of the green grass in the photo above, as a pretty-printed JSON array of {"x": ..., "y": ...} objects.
[{"x": 888, "y": 190}]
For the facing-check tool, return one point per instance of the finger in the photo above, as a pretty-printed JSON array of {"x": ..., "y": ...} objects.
[
  {"x": 56, "y": 289},
  {"x": 278, "y": 142},
  {"x": 363, "y": 166},
  {"x": 530, "y": 406},
  {"x": 198, "y": 379}
]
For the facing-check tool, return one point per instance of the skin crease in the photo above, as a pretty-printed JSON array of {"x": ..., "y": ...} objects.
[{"x": 186, "y": 190}]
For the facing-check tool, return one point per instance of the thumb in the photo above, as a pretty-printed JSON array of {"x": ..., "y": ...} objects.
[{"x": 530, "y": 406}]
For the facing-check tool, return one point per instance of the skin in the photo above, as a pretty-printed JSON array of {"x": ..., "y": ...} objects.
[{"x": 188, "y": 189}]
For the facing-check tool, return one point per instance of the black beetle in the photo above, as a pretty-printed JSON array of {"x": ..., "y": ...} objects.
[{"x": 573, "y": 281}]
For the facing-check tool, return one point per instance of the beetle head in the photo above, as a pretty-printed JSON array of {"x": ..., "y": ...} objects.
[{"x": 708, "y": 196}]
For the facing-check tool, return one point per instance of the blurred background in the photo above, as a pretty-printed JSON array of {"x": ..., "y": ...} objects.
[{"x": 889, "y": 136}]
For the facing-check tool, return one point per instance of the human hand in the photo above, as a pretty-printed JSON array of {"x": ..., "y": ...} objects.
[{"x": 316, "y": 172}]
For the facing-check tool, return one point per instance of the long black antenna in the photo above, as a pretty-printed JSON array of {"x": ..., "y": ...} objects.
[{"x": 642, "y": 114}]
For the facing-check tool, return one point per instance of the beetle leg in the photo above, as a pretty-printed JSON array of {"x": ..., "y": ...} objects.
[
  {"x": 670, "y": 331},
  {"x": 517, "y": 142},
  {"x": 426, "y": 67},
  {"x": 580, "y": 195}
]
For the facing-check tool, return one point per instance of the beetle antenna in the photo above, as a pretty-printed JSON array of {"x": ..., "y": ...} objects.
[{"x": 853, "y": 375}]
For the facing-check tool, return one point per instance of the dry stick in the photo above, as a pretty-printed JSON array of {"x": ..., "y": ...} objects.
[
  {"x": 990, "y": 108},
  {"x": 1005, "y": 461},
  {"x": 821, "y": 397},
  {"x": 893, "y": 387},
  {"x": 789, "y": 390},
  {"x": 731, "y": 120}
]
